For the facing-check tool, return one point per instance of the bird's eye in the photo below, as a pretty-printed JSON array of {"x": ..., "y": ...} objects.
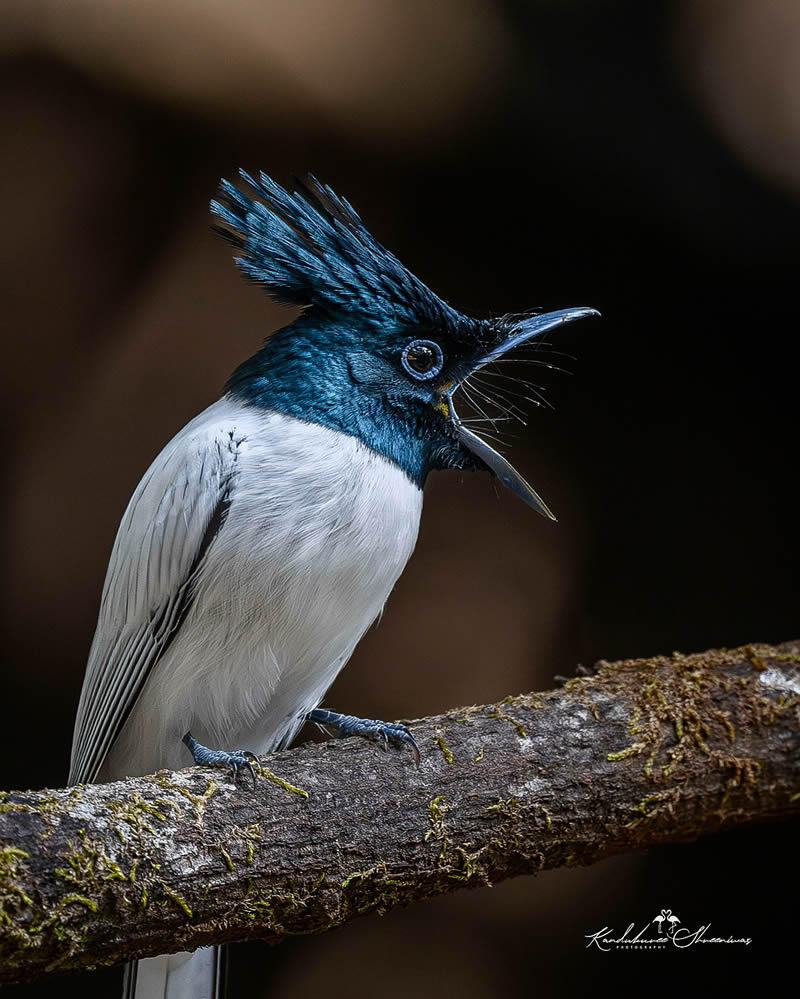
[{"x": 422, "y": 359}]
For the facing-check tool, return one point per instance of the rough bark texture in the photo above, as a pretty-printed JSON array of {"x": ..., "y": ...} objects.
[{"x": 640, "y": 752}]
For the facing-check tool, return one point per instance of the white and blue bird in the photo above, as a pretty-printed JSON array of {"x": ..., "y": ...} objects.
[{"x": 265, "y": 538}]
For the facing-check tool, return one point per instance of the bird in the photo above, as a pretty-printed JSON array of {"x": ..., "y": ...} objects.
[{"x": 265, "y": 538}]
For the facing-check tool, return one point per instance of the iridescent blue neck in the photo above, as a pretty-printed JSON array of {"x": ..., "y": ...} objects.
[{"x": 306, "y": 370}]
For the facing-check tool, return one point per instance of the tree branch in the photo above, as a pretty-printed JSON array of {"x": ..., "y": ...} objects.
[{"x": 640, "y": 752}]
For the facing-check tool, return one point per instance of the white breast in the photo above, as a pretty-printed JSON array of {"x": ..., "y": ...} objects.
[{"x": 317, "y": 533}]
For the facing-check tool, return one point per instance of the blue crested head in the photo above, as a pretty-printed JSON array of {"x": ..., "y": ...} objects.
[{"x": 375, "y": 353}]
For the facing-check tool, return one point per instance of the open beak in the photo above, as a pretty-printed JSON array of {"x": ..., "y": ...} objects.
[{"x": 509, "y": 476}]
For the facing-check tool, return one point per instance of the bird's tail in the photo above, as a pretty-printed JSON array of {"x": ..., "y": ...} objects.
[{"x": 190, "y": 975}]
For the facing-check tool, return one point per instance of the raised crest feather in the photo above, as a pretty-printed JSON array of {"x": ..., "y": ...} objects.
[{"x": 309, "y": 247}]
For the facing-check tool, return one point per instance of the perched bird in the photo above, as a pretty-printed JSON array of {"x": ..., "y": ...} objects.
[{"x": 267, "y": 535}]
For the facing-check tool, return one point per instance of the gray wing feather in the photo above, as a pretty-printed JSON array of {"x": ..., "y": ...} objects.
[{"x": 172, "y": 518}]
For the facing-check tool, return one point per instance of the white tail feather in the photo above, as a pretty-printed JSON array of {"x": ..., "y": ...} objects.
[{"x": 188, "y": 975}]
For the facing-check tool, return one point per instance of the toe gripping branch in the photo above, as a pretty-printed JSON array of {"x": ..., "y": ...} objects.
[
  {"x": 237, "y": 760},
  {"x": 341, "y": 726}
]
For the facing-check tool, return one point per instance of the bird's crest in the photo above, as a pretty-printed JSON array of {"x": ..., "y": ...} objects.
[{"x": 309, "y": 247}]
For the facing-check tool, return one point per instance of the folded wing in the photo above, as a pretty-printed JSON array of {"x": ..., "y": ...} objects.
[{"x": 172, "y": 519}]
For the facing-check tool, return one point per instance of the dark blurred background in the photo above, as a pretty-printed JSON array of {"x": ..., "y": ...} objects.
[{"x": 642, "y": 158}]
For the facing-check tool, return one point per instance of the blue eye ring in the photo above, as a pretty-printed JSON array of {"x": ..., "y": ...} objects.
[{"x": 422, "y": 359}]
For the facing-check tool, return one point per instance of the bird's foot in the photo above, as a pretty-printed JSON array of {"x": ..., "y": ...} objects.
[
  {"x": 341, "y": 726},
  {"x": 238, "y": 759}
]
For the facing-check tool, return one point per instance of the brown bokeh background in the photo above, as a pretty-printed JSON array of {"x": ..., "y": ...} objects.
[{"x": 643, "y": 158}]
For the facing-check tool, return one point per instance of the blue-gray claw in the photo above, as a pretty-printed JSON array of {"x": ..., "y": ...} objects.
[
  {"x": 237, "y": 760},
  {"x": 341, "y": 726}
]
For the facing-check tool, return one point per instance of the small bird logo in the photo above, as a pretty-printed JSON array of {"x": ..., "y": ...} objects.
[{"x": 666, "y": 916}]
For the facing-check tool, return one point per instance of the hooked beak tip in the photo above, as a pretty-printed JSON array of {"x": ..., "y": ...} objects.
[{"x": 545, "y": 321}]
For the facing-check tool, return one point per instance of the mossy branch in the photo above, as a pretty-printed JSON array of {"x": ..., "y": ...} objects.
[{"x": 637, "y": 753}]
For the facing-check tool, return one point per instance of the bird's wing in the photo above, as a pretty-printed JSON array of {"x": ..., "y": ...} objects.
[{"x": 172, "y": 518}]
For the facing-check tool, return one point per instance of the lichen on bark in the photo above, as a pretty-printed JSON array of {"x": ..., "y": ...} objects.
[{"x": 636, "y": 753}]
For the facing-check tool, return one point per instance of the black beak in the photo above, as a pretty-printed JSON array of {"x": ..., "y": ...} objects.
[{"x": 509, "y": 476}]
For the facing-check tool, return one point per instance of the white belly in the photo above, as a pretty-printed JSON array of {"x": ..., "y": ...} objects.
[{"x": 318, "y": 531}]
